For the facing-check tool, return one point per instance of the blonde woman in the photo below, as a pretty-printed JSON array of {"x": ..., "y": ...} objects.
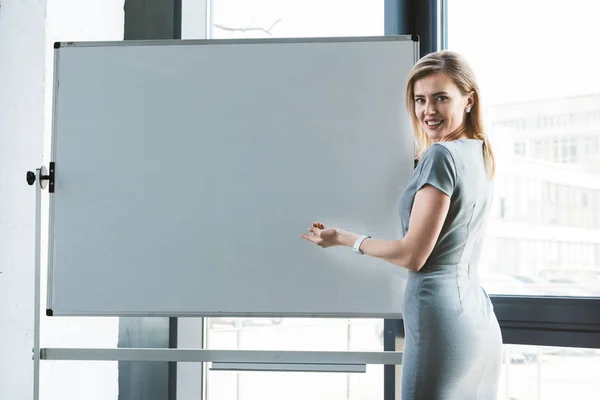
[{"x": 453, "y": 342}]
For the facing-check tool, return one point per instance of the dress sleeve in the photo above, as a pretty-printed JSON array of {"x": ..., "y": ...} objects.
[{"x": 438, "y": 169}]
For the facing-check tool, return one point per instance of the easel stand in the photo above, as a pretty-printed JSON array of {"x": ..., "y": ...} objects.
[{"x": 222, "y": 360}]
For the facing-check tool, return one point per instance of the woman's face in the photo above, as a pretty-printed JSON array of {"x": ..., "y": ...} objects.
[{"x": 440, "y": 107}]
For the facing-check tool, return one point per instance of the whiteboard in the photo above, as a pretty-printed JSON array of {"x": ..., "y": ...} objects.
[{"x": 186, "y": 171}]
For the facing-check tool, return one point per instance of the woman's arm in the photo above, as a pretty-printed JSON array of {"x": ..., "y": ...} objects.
[
  {"x": 437, "y": 180},
  {"x": 428, "y": 214}
]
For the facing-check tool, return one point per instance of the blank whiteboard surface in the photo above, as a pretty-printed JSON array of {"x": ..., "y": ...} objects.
[{"x": 186, "y": 172}]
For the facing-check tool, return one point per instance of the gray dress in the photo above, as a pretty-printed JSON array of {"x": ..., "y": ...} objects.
[{"x": 453, "y": 344}]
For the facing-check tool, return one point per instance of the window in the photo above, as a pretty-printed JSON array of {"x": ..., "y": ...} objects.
[
  {"x": 562, "y": 102},
  {"x": 502, "y": 208},
  {"x": 538, "y": 149},
  {"x": 232, "y": 19},
  {"x": 299, "y": 335},
  {"x": 295, "y": 18},
  {"x": 539, "y": 372},
  {"x": 593, "y": 117},
  {"x": 520, "y": 148}
]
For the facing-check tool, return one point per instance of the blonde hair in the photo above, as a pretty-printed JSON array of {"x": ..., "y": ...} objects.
[{"x": 456, "y": 68}]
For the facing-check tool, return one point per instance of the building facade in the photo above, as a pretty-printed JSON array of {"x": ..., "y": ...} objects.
[{"x": 545, "y": 224}]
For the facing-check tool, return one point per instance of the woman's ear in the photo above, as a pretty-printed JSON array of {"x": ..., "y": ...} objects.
[{"x": 471, "y": 100}]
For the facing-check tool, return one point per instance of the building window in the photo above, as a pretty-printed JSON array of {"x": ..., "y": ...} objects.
[
  {"x": 592, "y": 117},
  {"x": 520, "y": 148}
]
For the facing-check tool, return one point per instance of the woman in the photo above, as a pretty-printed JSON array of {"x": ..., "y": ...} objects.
[{"x": 453, "y": 342}]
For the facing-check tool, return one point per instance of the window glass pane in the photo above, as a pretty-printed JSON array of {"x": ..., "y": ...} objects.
[
  {"x": 299, "y": 335},
  {"x": 295, "y": 18},
  {"x": 296, "y": 385},
  {"x": 310, "y": 334},
  {"x": 549, "y": 373},
  {"x": 541, "y": 101},
  {"x": 235, "y": 19}
]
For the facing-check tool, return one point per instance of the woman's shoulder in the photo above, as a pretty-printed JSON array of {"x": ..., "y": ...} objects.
[
  {"x": 456, "y": 149},
  {"x": 439, "y": 152}
]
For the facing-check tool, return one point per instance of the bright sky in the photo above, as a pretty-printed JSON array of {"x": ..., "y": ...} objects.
[
  {"x": 529, "y": 49},
  {"x": 520, "y": 49},
  {"x": 301, "y": 18}
]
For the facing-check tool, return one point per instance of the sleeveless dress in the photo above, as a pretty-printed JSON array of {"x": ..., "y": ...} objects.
[{"x": 453, "y": 343}]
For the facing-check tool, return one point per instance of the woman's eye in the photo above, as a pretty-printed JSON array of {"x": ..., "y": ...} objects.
[
  {"x": 442, "y": 98},
  {"x": 420, "y": 101}
]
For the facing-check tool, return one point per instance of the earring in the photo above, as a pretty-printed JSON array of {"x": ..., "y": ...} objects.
[{"x": 468, "y": 110}]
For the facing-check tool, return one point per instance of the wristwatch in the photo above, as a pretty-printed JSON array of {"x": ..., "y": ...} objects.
[{"x": 358, "y": 242}]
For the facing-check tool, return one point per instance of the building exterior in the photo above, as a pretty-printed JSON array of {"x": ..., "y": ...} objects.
[
  {"x": 564, "y": 130},
  {"x": 545, "y": 224}
]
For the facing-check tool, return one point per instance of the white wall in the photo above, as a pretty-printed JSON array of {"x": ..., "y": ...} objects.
[{"x": 21, "y": 131}]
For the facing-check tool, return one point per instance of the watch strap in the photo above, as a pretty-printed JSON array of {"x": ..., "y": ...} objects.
[{"x": 358, "y": 242}]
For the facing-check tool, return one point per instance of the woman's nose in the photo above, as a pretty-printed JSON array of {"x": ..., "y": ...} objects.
[{"x": 430, "y": 108}]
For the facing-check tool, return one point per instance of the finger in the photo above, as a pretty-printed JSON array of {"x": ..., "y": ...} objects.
[
  {"x": 312, "y": 239},
  {"x": 315, "y": 231},
  {"x": 318, "y": 225}
]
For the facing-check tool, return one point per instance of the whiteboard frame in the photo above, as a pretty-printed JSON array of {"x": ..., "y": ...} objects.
[
  {"x": 178, "y": 42},
  {"x": 168, "y": 42},
  {"x": 252, "y": 357}
]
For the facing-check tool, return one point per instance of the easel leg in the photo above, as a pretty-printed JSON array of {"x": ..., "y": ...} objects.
[{"x": 37, "y": 296}]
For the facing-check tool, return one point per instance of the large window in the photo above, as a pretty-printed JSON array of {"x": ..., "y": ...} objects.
[
  {"x": 298, "y": 335},
  {"x": 541, "y": 98},
  {"x": 549, "y": 373},
  {"x": 541, "y": 95},
  {"x": 232, "y": 19}
]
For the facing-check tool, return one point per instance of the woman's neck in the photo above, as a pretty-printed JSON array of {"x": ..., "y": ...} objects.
[{"x": 458, "y": 134}]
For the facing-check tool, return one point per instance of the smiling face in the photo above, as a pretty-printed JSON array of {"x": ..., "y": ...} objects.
[{"x": 440, "y": 107}]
